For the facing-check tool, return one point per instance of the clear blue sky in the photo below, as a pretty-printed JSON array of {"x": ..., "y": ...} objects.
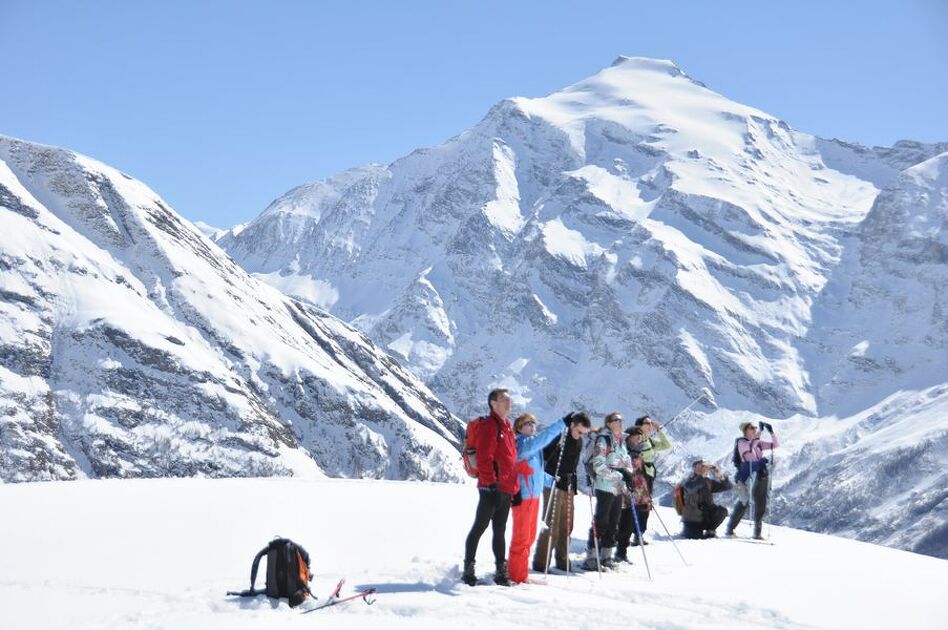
[{"x": 223, "y": 106}]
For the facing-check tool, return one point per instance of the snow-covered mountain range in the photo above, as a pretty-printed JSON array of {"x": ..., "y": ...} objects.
[
  {"x": 635, "y": 237},
  {"x": 132, "y": 346}
]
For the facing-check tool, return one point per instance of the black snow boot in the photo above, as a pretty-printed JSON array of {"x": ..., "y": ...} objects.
[
  {"x": 468, "y": 576},
  {"x": 501, "y": 578}
]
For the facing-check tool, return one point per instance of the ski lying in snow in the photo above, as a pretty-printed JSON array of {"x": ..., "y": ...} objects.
[
  {"x": 334, "y": 598},
  {"x": 752, "y": 541}
]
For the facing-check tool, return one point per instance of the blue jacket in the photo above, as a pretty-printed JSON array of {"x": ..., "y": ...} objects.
[{"x": 530, "y": 452}]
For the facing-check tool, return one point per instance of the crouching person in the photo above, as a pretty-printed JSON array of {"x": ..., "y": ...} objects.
[{"x": 700, "y": 515}]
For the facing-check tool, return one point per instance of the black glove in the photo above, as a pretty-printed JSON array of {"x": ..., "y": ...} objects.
[
  {"x": 764, "y": 426},
  {"x": 627, "y": 475}
]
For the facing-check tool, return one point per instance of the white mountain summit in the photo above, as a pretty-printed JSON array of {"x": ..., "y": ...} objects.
[{"x": 628, "y": 240}]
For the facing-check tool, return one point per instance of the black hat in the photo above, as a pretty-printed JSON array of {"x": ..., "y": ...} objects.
[
  {"x": 697, "y": 462},
  {"x": 633, "y": 431}
]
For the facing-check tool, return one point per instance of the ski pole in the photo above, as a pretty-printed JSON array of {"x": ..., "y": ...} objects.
[
  {"x": 770, "y": 481},
  {"x": 569, "y": 526},
  {"x": 556, "y": 477},
  {"x": 669, "y": 534},
  {"x": 638, "y": 532},
  {"x": 705, "y": 393},
  {"x": 551, "y": 508},
  {"x": 595, "y": 533}
]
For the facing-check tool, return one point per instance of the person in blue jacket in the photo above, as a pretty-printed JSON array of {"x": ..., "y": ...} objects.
[{"x": 532, "y": 478}]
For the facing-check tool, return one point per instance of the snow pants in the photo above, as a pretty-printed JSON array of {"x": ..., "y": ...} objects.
[
  {"x": 524, "y": 533},
  {"x": 757, "y": 508},
  {"x": 713, "y": 517},
  {"x": 560, "y": 528},
  {"x": 608, "y": 509},
  {"x": 627, "y": 525}
]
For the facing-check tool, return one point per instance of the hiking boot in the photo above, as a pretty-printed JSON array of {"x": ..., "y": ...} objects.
[
  {"x": 621, "y": 556},
  {"x": 501, "y": 578},
  {"x": 730, "y": 534},
  {"x": 710, "y": 533},
  {"x": 592, "y": 562},
  {"x": 636, "y": 541},
  {"x": 468, "y": 576},
  {"x": 605, "y": 558}
]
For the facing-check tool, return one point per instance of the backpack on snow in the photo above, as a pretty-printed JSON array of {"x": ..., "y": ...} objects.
[
  {"x": 469, "y": 454},
  {"x": 288, "y": 572}
]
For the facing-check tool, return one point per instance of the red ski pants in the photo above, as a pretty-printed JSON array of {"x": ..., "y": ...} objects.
[{"x": 524, "y": 533}]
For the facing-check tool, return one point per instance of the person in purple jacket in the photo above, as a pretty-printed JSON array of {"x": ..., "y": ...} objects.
[{"x": 752, "y": 475}]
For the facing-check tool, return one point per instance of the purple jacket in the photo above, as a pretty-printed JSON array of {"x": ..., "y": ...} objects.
[{"x": 753, "y": 450}]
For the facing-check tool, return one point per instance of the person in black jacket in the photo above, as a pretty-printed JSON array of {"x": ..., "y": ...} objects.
[
  {"x": 562, "y": 468},
  {"x": 701, "y": 516}
]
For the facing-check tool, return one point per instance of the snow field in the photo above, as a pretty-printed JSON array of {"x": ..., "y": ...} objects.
[{"x": 161, "y": 554}]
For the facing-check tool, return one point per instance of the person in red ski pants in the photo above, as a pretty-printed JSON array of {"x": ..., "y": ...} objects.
[{"x": 530, "y": 473}]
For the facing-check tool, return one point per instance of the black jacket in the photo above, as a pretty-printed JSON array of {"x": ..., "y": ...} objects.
[
  {"x": 567, "y": 472},
  {"x": 698, "y": 501}
]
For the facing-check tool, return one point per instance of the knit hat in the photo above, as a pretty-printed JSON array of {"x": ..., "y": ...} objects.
[
  {"x": 697, "y": 462},
  {"x": 745, "y": 425}
]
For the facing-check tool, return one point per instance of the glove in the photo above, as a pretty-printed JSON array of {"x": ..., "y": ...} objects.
[{"x": 627, "y": 475}]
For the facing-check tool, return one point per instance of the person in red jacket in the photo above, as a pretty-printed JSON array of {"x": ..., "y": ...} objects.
[{"x": 497, "y": 482}]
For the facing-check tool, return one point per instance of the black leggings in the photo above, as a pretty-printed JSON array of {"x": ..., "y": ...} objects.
[{"x": 493, "y": 506}]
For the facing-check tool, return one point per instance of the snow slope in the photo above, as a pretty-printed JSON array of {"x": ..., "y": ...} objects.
[
  {"x": 161, "y": 553},
  {"x": 132, "y": 346}
]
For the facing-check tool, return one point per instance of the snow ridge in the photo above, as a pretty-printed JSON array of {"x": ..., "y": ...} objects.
[{"x": 132, "y": 346}]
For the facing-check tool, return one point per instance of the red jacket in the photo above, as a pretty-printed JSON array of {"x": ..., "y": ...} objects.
[{"x": 497, "y": 455}]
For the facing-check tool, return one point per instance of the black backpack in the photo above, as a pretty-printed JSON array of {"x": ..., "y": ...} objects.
[
  {"x": 288, "y": 573},
  {"x": 736, "y": 457}
]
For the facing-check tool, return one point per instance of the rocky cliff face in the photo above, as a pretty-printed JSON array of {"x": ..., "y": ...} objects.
[{"x": 132, "y": 346}]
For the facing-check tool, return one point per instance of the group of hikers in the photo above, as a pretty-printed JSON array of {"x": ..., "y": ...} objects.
[{"x": 518, "y": 463}]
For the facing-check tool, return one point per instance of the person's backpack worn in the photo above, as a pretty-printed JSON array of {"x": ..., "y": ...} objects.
[
  {"x": 288, "y": 572},
  {"x": 469, "y": 455},
  {"x": 589, "y": 452},
  {"x": 736, "y": 455},
  {"x": 679, "y": 495}
]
